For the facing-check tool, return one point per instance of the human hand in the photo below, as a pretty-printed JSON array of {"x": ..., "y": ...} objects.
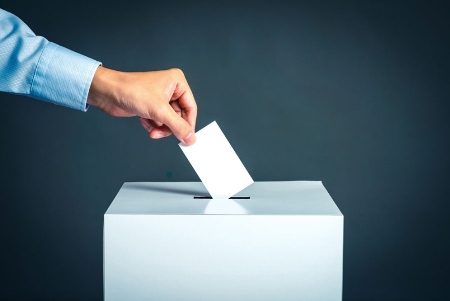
[{"x": 162, "y": 99}]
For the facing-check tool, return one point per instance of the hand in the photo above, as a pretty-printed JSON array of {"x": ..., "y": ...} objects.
[{"x": 162, "y": 99}]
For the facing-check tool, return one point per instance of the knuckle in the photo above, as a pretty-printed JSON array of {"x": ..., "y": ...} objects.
[
  {"x": 193, "y": 110},
  {"x": 177, "y": 71}
]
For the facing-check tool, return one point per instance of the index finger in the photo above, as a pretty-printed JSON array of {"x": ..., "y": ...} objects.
[{"x": 188, "y": 106}]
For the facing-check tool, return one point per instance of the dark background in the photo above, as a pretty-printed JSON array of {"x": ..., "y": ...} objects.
[{"x": 353, "y": 94}]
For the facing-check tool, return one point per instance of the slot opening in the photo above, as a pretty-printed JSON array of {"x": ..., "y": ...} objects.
[{"x": 232, "y": 198}]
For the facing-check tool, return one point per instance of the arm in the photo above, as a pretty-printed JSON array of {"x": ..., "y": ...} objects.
[{"x": 32, "y": 66}]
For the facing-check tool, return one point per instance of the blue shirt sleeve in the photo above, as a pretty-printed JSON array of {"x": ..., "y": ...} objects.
[{"x": 32, "y": 66}]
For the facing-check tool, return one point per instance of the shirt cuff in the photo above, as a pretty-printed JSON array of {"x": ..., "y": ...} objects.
[{"x": 63, "y": 77}]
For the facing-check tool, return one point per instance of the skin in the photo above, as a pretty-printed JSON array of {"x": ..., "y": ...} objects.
[{"x": 162, "y": 99}]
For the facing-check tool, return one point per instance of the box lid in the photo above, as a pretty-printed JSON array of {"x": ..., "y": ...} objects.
[{"x": 266, "y": 198}]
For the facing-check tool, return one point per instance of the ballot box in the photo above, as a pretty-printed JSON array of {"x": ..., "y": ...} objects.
[{"x": 275, "y": 241}]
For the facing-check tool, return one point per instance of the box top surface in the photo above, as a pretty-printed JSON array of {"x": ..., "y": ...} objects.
[{"x": 266, "y": 198}]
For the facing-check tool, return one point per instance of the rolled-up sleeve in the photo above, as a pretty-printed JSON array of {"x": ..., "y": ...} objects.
[{"x": 31, "y": 65}]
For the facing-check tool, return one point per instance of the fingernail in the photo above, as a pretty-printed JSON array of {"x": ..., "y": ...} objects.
[
  {"x": 190, "y": 139},
  {"x": 157, "y": 135}
]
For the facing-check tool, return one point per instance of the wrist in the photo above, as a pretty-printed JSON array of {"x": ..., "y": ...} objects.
[{"x": 104, "y": 88}]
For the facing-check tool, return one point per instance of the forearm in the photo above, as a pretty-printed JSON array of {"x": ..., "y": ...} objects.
[{"x": 32, "y": 66}]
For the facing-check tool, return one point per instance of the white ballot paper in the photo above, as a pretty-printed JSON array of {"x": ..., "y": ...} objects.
[{"x": 216, "y": 163}]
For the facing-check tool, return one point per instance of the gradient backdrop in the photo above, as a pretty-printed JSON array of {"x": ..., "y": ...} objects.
[{"x": 353, "y": 94}]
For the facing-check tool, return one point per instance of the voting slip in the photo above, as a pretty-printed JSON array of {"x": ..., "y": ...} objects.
[{"x": 216, "y": 163}]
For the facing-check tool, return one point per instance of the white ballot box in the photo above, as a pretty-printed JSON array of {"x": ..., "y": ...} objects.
[{"x": 284, "y": 242}]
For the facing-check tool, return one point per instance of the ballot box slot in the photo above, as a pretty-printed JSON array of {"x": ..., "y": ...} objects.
[{"x": 231, "y": 198}]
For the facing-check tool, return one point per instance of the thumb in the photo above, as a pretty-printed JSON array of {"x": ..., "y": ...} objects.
[{"x": 179, "y": 127}]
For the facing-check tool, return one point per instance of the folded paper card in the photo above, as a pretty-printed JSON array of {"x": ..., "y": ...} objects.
[{"x": 216, "y": 163}]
